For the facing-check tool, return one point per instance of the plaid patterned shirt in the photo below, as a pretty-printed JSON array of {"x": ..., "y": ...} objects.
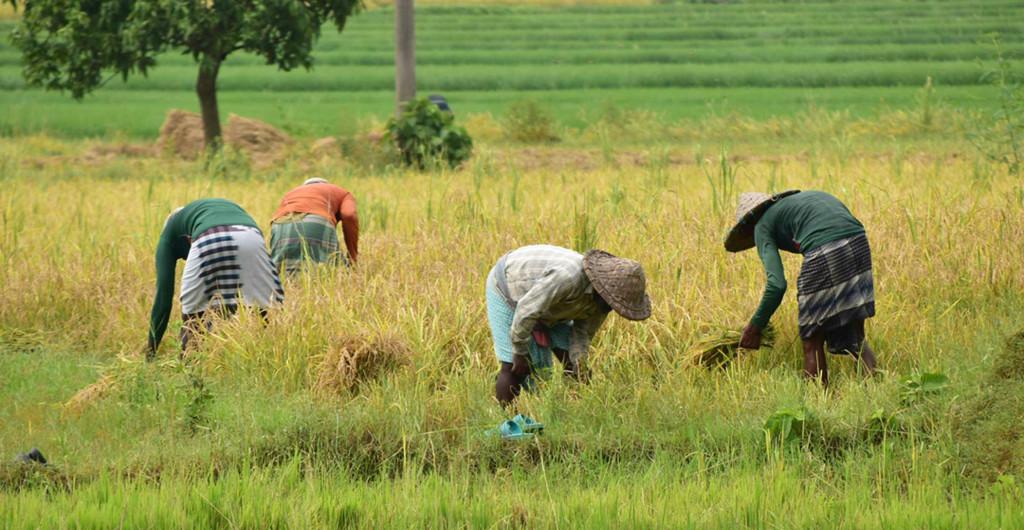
[{"x": 548, "y": 285}]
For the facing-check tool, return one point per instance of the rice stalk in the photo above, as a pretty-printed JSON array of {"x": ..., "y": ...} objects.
[{"x": 719, "y": 347}]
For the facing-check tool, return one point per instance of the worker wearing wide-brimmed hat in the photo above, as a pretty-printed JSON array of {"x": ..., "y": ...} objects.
[
  {"x": 835, "y": 289},
  {"x": 304, "y": 227},
  {"x": 543, "y": 299}
]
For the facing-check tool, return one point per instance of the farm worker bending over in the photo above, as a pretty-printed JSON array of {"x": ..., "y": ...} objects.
[
  {"x": 226, "y": 264},
  {"x": 304, "y": 226},
  {"x": 835, "y": 290},
  {"x": 542, "y": 298}
]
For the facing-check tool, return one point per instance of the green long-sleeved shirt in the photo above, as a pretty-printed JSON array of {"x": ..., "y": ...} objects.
[
  {"x": 175, "y": 241},
  {"x": 798, "y": 223}
]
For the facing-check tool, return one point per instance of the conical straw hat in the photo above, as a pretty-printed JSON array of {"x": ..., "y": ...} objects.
[
  {"x": 620, "y": 281},
  {"x": 751, "y": 207}
]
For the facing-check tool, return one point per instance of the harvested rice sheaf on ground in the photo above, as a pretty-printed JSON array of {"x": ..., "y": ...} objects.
[
  {"x": 988, "y": 426},
  {"x": 354, "y": 360},
  {"x": 112, "y": 381},
  {"x": 1010, "y": 365},
  {"x": 91, "y": 394},
  {"x": 720, "y": 345}
]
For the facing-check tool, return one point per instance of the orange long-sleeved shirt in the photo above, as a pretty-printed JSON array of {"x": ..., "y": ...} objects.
[{"x": 331, "y": 202}]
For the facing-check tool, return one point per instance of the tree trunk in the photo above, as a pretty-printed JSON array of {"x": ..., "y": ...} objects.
[
  {"x": 405, "y": 54},
  {"x": 206, "y": 88}
]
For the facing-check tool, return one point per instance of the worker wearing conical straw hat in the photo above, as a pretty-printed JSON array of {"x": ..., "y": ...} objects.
[
  {"x": 543, "y": 299},
  {"x": 304, "y": 227},
  {"x": 835, "y": 289}
]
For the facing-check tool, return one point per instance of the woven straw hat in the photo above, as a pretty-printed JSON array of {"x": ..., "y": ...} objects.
[
  {"x": 620, "y": 281},
  {"x": 751, "y": 207},
  {"x": 314, "y": 180}
]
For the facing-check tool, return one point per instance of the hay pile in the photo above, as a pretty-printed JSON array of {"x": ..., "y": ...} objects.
[
  {"x": 351, "y": 361},
  {"x": 1010, "y": 365},
  {"x": 326, "y": 147},
  {"x": 988, "y": 427},
  {"x": 258, "y": 139},
  {"x": 719, "y": 346},
  {"x": 182, "y": 135}
]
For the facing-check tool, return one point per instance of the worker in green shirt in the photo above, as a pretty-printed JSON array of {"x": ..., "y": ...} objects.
[
  {"x": 835, "y": 289},
  {"x": 226, "y": 265}
]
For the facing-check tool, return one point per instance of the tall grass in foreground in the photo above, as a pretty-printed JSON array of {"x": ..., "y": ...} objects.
[
  {"x": 650, "y": 441},
  {"x": 658, "y": 494}
]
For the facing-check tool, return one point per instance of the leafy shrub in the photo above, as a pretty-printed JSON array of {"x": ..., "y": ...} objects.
[
  {"x": 426, "y": 136},
  {"x": 787, "y": 424},
  {"x": 527, "y": 121},
  {"x": 917, "y": 387}
]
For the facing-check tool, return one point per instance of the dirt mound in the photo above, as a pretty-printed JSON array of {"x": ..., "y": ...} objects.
[
  {"x": 182, "y": 135},
  {"x": 353, "y": 360}
]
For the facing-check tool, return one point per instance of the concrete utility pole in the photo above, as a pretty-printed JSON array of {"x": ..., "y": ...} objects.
[{"x": 405, "y": 54}]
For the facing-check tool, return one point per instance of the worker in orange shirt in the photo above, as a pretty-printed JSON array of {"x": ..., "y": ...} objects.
[{"x": 304, "y": 227}]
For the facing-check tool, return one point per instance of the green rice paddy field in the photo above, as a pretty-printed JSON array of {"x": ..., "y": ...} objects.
[{"x": 679, "y": 60}]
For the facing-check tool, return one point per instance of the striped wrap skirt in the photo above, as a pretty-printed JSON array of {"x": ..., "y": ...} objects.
[
  {"x": 298, "y": 239},
  {"x": 836, "y": 293},
  {"x": 228, "y": 266}
]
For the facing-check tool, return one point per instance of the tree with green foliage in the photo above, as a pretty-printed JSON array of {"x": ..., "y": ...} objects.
[{"x": 78, "y": 45}]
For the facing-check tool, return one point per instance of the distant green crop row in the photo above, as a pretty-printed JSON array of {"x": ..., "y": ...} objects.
[
  {"x": 532, "y": 19},
  {"x": 909, "y": 9},
  {"x": 382, "y": 44},
  {"x": 937, "y": 33},
  {"x": 661, "y": 54},
  {"x": 559, "y": 77},
  {"x": 310, "y": 114},
  {"x": 743, "y": 21}
]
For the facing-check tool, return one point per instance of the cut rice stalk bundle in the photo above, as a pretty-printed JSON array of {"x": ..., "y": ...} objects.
[
  {"x": 719, "y": 347},
  {"x": 90, "y": 394},
  {"x": 110, "y": 382},
  {"x": 353, "y": 360}
]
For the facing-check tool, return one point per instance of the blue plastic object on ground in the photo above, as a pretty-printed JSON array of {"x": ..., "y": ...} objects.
[
  {"x": 511, "y": 430},
  {"x": 528, "y": 424},
  {"x": 518, "y": 428}
]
